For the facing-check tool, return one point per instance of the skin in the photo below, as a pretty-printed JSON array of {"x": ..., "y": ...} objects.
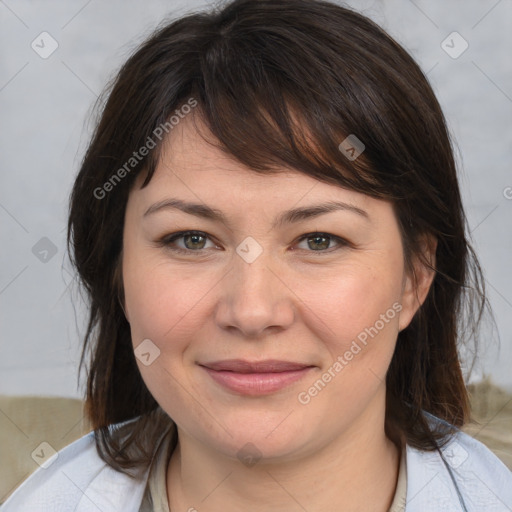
[{"x": 292, "y": 303}]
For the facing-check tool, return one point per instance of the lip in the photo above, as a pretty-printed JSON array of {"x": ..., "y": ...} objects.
[{"x": 255, "y": 378}]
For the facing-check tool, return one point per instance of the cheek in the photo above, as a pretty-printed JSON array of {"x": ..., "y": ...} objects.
[
  {"x": 356, "y": 318},
  {"x": 160, "y": 301},
  {"x": 163, "y": 306},
  {"x": 356, "y": 301}
]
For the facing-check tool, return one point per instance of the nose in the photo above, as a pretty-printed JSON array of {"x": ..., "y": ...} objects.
[{"x": 255, "y": 299}]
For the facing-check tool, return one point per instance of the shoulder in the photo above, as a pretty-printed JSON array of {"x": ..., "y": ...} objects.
[
  {"x": 465, "y": 471},
  {"x": 76, "y": 478}
]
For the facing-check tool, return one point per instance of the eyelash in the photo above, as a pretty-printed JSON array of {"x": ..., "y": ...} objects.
[{"x": 168, "y": 240}]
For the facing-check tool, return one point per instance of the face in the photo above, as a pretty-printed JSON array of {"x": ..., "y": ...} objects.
[{"x": 261, "y": 327}]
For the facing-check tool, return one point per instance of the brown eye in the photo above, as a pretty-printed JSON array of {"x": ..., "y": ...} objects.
[{"x": 321, "y": 242}]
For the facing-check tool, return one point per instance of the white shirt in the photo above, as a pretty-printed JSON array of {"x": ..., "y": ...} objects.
[{"x": 79, "y": 480}]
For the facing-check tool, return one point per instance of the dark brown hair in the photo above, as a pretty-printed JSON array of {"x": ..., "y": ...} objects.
[{"x": 281, "y": 83}]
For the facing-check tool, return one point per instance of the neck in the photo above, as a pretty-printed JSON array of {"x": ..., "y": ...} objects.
[{"x": 355, "y": 471}]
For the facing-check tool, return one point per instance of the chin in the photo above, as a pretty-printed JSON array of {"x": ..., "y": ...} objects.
[{"x": 270, "y": 436}]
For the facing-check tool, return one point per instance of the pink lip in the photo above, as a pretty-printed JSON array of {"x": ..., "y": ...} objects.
[{"x": 255, "y": 378}]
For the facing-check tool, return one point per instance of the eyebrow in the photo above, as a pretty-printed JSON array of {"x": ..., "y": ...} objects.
[{"x": 288, "y": 217}]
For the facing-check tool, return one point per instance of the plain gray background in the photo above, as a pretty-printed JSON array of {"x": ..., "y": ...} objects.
[{"x": 45, "y": 103}]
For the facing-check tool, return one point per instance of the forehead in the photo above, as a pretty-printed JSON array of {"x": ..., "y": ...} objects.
[{"x": 192, "y": 162}]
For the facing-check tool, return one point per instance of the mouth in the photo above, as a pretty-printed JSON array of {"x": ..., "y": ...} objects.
[{"x": 255, "y": 378}]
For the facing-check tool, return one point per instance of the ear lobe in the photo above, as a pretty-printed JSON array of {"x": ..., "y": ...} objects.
[{"x": 416, "y": 284}]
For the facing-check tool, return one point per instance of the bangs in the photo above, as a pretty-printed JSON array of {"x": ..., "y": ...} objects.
[{"x": 269, "y": 111}]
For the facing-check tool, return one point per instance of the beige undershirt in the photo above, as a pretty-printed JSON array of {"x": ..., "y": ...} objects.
[{"x": 155, "y": 496}]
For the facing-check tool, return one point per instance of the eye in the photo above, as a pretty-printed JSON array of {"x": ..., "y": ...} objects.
[
  {"x": 193, "y": 241},
  {"x": 319, "y": 242}
]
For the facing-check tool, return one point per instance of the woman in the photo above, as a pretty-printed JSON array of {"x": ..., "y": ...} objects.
[{"x": 269, "y": 227}]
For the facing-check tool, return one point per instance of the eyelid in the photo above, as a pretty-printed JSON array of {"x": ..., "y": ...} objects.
[
  {"x": 166, "y": 241},
  {"x": 342, "y": 242}
]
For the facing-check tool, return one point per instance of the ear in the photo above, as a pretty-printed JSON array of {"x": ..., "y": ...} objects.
[{"x": 417, "y": 282}]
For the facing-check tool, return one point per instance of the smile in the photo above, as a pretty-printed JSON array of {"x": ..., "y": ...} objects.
[{"x": 255, "y": 378}]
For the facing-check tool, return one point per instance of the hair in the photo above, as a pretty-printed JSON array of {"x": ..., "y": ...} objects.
[{"x": 280, "y": 84}]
